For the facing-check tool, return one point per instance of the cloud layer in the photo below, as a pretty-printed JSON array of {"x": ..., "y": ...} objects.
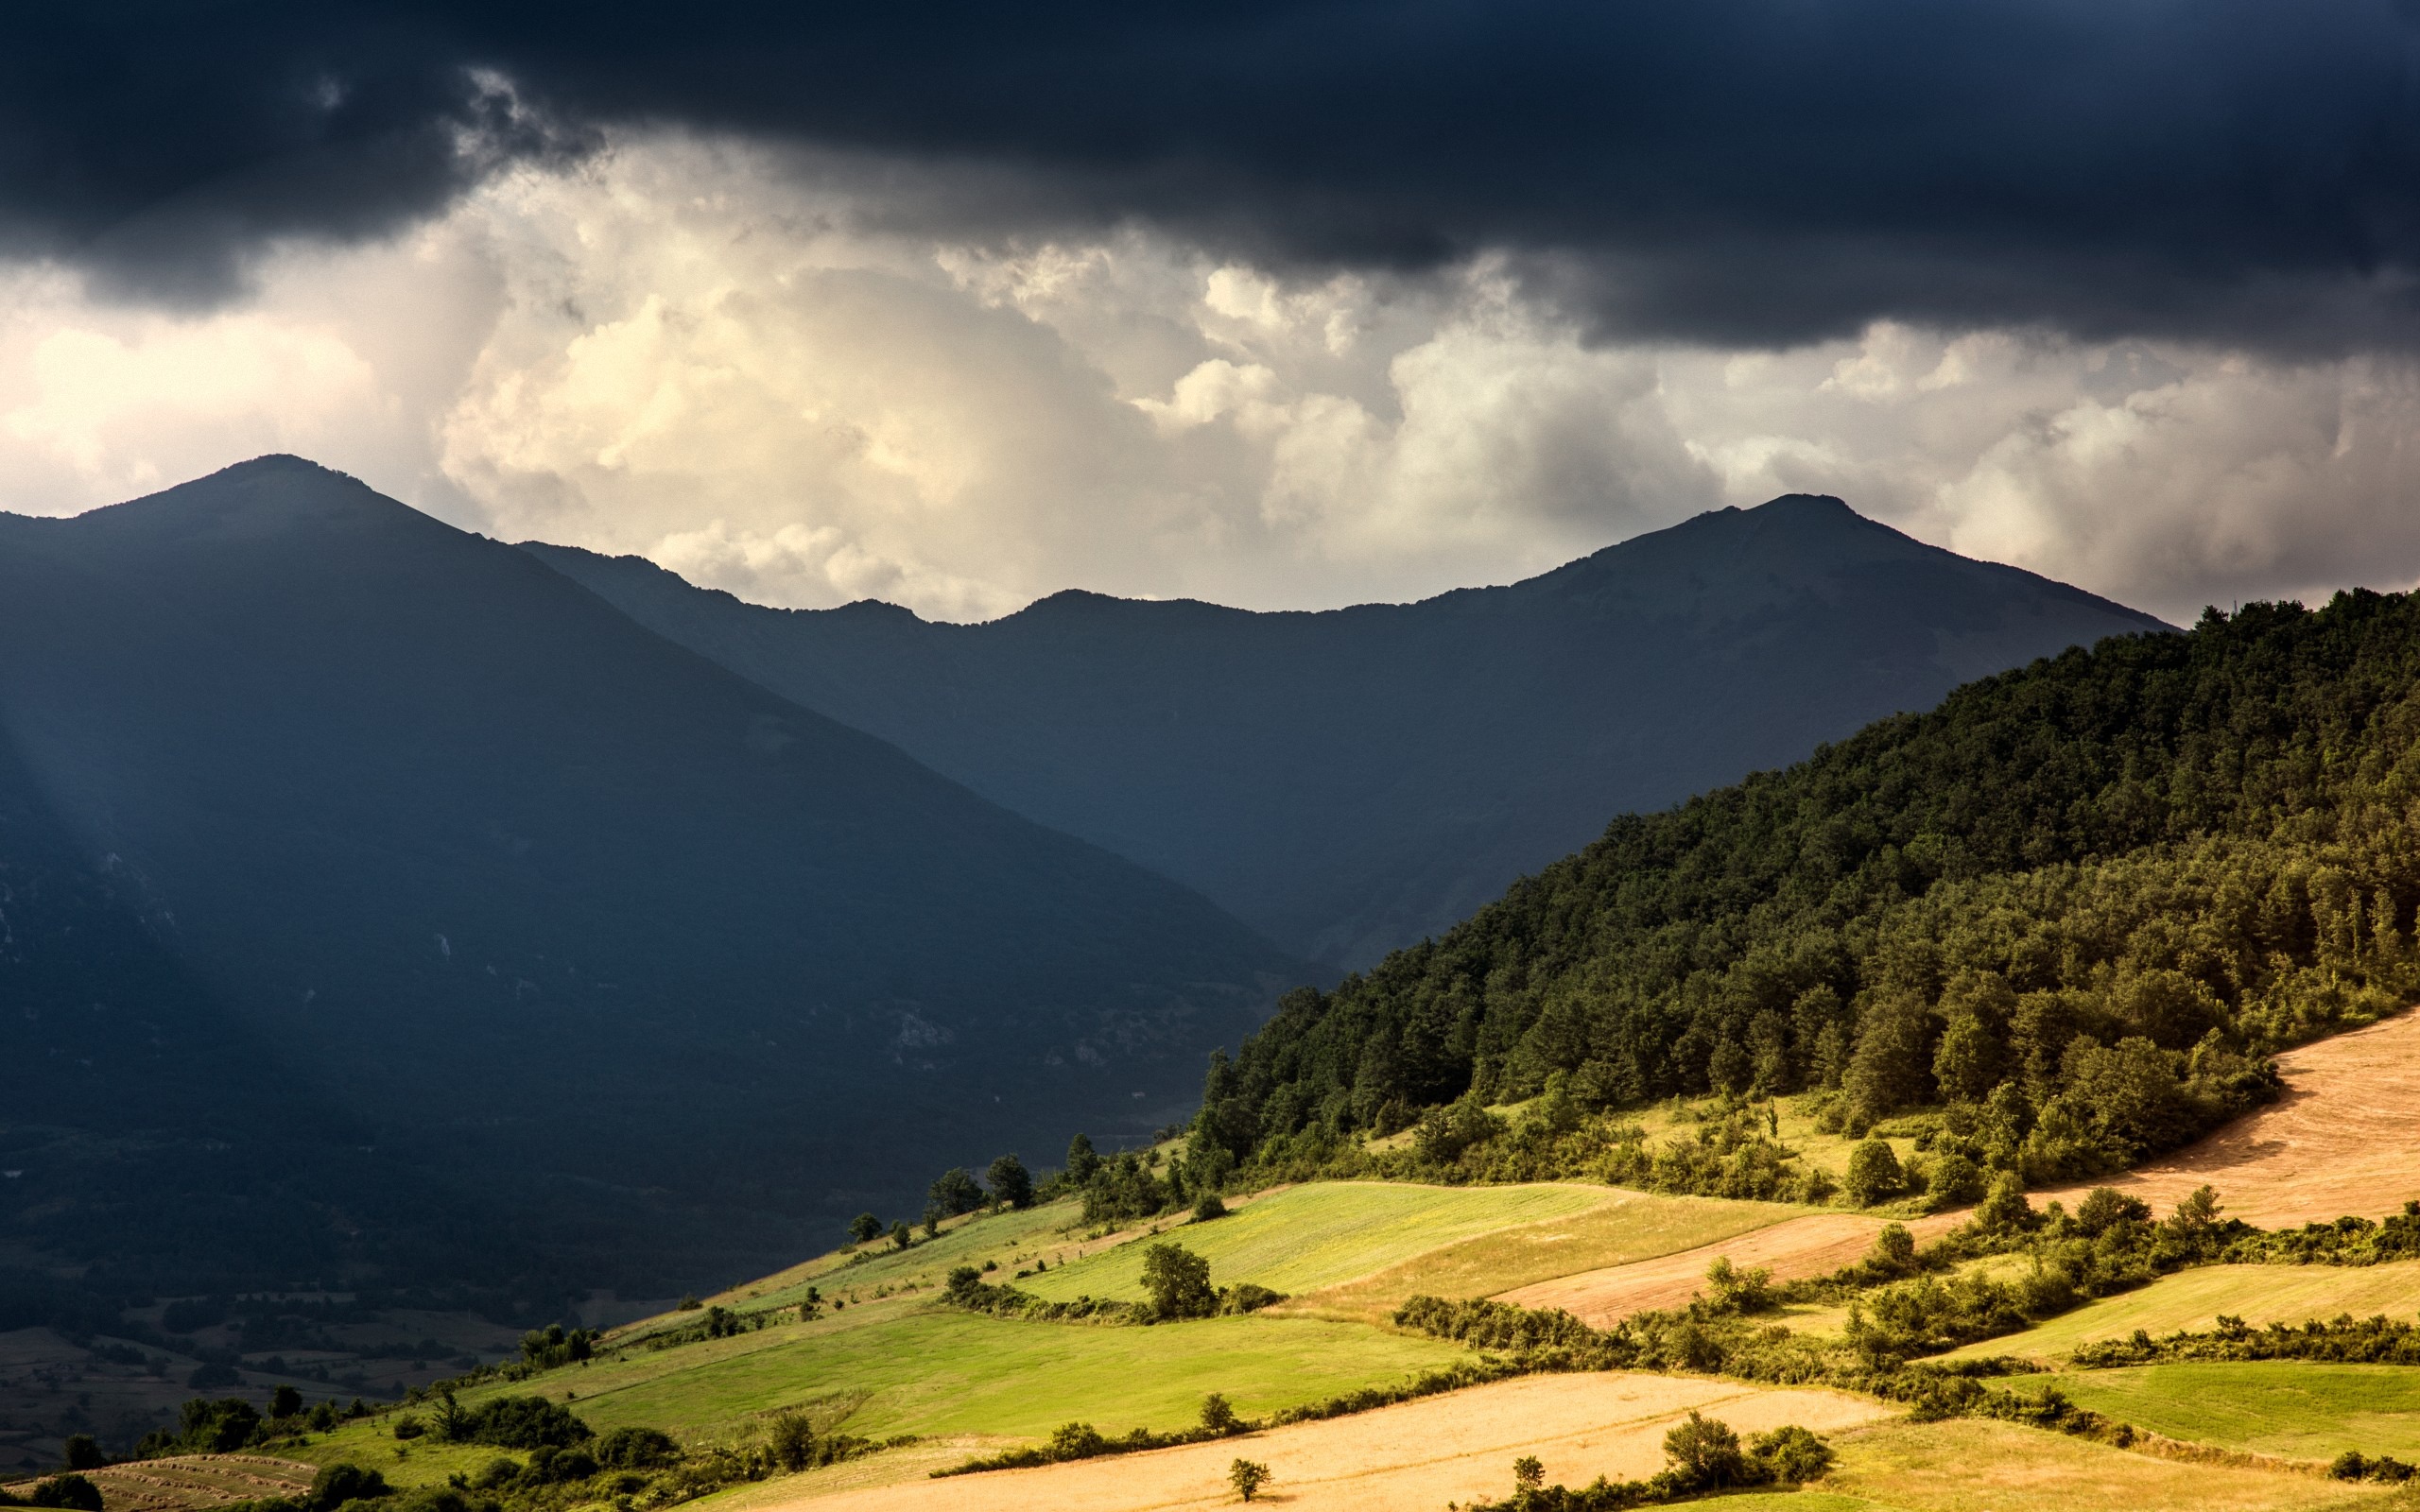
[
  {"x": 1740, "y": 172},
  {"x": 747, "y": 365}
]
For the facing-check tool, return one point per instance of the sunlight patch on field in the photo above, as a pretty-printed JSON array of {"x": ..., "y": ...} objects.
[
  {"x": 2295, "y": 1409},
  {"x": 1630, "y": 1226},
  {"x": 1325, "y": 1232},
  {"x": 2193, "y": 1299},
  {"x": 1971, "y": 1465},
  {"x": 1410, "y": 1458}
]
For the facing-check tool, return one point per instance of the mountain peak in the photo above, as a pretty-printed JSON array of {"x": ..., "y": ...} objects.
[{"x": 272, "y": 495}]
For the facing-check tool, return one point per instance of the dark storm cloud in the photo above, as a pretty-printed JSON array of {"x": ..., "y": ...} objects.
[{"x": 1748, "y": 171}]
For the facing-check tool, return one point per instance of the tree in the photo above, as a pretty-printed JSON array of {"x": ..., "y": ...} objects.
[
  {"x": 1873, "y": 1173},
  {"x": 1247, "y": 1478},
  {"x": 954, "y": 1191},
  {"x": 1742, "y": 1291},
  {"x": 1528, "y": 1473},
  {"x": 901, "y": 1235},
  {"x": 1704, "y": 1454},
  {"x": 1084, "y": 1161},
  {"x": 793, "y": 1440},
  {"x": 864, "y": 1228},
  {"x": 85, "y": 1452},
  {"x": 1218, "y": 1414},
  {"x": 1011, "y": 1183},
  {"x": 1179, "y": 1283},
  {"x": 1891, "y": 1067}
]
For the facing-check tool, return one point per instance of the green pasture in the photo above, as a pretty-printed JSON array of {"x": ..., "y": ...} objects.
[
  {"x": 1626, "y": 1227},
  {"x": 912, "y": 1369},
  {"x": 1306, "y": 1237},
  {"x": 2193, "y": 1299},
  {"x": 2294, "y": 1408}
]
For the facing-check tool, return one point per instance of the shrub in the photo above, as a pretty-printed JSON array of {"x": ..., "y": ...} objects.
[
  {"x": 1791, "y": 1454},
  {"x": 341, "y": 1482},
  {"x": 409, "y": 1426},
  {"x": 1740, "y": 1290},
  {"x": 1873, "y": 1173},
  {"x": 70, "y": 1490},
  {"x": 637, "y": 1448},
  {"x": 1247, "y": 1477},
  {"x": 864, "y": 1228},
  {"x": 1209, "y": 1208},
  {"x": 1705, "y": 1455}
]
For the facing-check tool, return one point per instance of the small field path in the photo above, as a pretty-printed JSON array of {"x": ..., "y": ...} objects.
[{"x": 1410, "y": 1458}]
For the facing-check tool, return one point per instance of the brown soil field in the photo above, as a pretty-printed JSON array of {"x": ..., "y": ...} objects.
[
  {"x": 2343, "y": 1139},
  {"x": 188, "y": 1482},
  {"x": 1410, "y": 1458},
  {"x": 1811, "y": 1245}
]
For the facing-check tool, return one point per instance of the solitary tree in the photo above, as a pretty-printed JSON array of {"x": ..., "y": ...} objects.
[
  {"x": 1011, "y": 1182},
  {"x": 864, "y": 1228},
  {"x": 1179, "y": 1283},
  {"x": 1528, "y": 1473},
  {"x": 1247, "y": 1478},
  {"x": 284, "y": 1402},
  {"x": 1218, "y": 1414},
  {"x": 901, "y": 1235}
]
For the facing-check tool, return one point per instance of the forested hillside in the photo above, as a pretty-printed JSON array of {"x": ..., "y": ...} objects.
[{"x": 2075, "y": 904}]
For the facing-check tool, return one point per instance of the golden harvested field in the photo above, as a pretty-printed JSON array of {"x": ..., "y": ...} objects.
[
  {"x": 1410, "y": 1458},
  {"x": 1802, "y": 1246},
  {"x": 189, "y": 1482},
  {"x": 1971, "y": 1465},
  {"x": 1630, "y": 1226},
  {"x": 2344, "y": 1139}
]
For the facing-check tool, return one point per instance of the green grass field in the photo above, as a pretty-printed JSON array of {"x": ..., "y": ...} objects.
[
  {"x": 2194, "y": 1299},
  {"x": 2297, "y": 1409},
  {"x": 1315, "y": 1235},
  {"x": 906, "y": 1367},
  {"x": 1629, "y": 1226}
]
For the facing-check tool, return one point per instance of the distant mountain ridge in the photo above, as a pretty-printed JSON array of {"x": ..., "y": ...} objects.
[
  {"x": 604, "y": 935},
  {"x": 1349, "y": 780}
]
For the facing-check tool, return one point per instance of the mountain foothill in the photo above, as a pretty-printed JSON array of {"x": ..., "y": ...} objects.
[{"x": 386, "y": 901}]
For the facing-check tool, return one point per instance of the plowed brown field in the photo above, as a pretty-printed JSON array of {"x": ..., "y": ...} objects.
[
  {"x": 2344, "y": 1139},
  {"x": 1411, "y": 1458},
  {"x": 1811, "y": 1245}
]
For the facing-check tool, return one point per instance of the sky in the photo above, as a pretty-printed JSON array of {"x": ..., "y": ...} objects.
[{"x": 1282, "y": 305}]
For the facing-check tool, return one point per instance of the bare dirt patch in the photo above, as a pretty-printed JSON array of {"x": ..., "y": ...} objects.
[
  {"x": 1813, "y": 1246},
  {"x": 1411, "y": 1458},
  {"x": 2344, "y": 1139}
]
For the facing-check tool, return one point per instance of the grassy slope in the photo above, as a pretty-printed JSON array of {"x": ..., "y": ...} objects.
[
  {"x": 1630, "y": 1226},
  {"x": 2297, "y": 1409},
  {"x": 1306, "y": 1237},
  {"x": 2194, "y": 1299},
  {"x": 1969, "y": 1465}
]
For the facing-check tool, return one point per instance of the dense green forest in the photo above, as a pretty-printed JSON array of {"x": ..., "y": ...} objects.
[{"x": 2075, "y": 907}]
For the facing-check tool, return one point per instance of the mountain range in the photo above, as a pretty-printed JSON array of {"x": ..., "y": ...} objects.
[
  {"x": 382, "y": 901},
  {"x": 1348, "y": 782},
  {"x": 408, "y": 826}
]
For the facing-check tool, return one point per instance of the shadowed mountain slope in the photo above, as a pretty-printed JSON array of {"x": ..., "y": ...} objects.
[
  {"x": 1351, "y": 780},
  {"x": 433, "y": 837}
]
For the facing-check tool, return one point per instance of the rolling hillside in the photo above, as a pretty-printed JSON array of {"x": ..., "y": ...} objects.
[
  {"x": 384, "y": 835},
  {"x": 1351, "y": 780}
]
